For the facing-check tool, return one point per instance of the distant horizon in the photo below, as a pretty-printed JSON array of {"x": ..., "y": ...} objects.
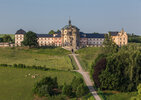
[{"x": 89, "y": 16}]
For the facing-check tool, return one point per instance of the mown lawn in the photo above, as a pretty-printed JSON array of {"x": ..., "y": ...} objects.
[
  {"x": 17, "y": 84},
  {"x": 119, "y": 96},
  {"x": 87, "y": 56},
  {"x": 54, "y": 58}
]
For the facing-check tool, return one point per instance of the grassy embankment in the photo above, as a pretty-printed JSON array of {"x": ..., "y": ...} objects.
[
  {"x": 87, "y": 56},
  {"x": 53, "y": 58}
]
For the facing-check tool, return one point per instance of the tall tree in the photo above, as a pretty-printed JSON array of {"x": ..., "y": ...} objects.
[
  {"x": 51, "y": 32},
  {"x": 30, "y": 39},
  {"x": 109, "y": 45},
  {"x": 58, "y": 30},
  {"x": 1, "y": 39}
]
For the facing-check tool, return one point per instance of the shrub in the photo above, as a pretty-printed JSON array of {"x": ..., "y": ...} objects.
[
  {"x": 77, "y": 88},
  {"x": 76, "y": 82},
  {"x": 67, "y": 90},
  {"x": 46, "y": 86},
  {"x": 81, "y": 90}
]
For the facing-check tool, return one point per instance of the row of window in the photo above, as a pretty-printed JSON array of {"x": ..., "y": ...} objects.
[
  {"x": 49, "y": 42},
  {"x": 45, "y": 38},
  {"x": 119, "y": 38},
  {"x": 95, "y": 39},
  {"x": 19, "y": 35},
  {"x": 122, "y": 43},
  {"x": 49, "y": 38},
  {"x": 19, "y": 38},
  {"x": 91, "y": 42},
  {"x": 95, "y": 42}
]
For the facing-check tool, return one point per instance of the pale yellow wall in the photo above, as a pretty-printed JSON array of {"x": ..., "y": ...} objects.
[
  {"x": 45, "y": 41},
  {"x": 121, "y": 39},
  {"x": 18, "y": 39}
]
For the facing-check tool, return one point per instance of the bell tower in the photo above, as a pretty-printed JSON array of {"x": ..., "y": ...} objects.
[{"x": 70, "y": 36}]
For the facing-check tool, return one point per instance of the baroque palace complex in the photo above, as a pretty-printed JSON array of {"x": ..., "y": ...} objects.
[{"x": 70, "y": 38}]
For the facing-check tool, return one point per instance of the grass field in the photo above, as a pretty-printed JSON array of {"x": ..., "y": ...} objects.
[
  {"x": 87, "y": 56},
  {"x": 54, "y": 58},
  {"x": 119, "y": 96},
  {"x": 17, "y": 84}
]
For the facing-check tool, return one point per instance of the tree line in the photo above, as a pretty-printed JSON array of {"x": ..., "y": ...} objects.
[
  {"x": 6, "y": 38},
  {"x": 134, "y": 38}
]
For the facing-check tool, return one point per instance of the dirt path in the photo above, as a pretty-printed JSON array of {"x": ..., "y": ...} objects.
[{"x": 87, "y": 79}]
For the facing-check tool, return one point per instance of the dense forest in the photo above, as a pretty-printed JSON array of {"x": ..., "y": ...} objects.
[{"x": 118, "y": 68}]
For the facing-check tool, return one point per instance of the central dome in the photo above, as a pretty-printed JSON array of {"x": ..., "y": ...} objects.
[{"x": 69, "y": 26}]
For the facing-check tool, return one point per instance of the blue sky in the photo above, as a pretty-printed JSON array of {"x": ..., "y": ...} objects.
[{"x": 41, "y": 16}]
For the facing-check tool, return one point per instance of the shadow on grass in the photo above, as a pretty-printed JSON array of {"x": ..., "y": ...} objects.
[{"x": 103, "y": 94}]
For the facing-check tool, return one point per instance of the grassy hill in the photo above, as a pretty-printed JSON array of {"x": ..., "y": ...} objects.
[
  {"x": 17, "y": 84},
  {"x": 87, "y": 56},
  {"x": 54, "y": 58}
]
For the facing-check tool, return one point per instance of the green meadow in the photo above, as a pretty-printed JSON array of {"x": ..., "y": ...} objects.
[
  {"x": 119, "y": 96},
  {"x": 87, "y": 56},
  {"x": 17, "y": 83},
  {"x": 54, "y": 58}
]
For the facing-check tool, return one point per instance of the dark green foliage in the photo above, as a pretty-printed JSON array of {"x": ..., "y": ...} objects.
[
  {"x": 67, "y": 90},
  {"x": 138, "y": 97},
  {"x": 7, "y": 38},
  {"x": 51, "y": 32},
  {"x": 76, "y": 89},
  {"x": 123, "y": 70},
  {"x": 58, "y": 30},
  {"x": 25, "y": 66},
  {"x": 81, "y": 90},
  {"x": 30, "y": 39},
  {"x": 1, "y": 39},
  {"x": 109, "y": 45},
  {"x": 134, "y": 38},
  {"x": 76, "y": 82},
  {"x": 46, "y": 87},
  {"x": 139, "y": 89},
  {"x": 49, "y": 88}
]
